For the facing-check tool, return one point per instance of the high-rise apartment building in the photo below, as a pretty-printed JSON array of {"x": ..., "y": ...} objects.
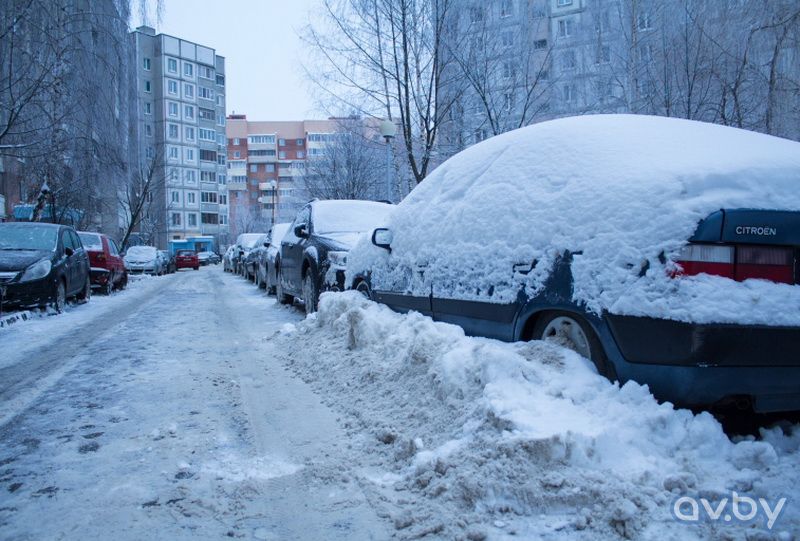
[
  {"x": 266, "y": 168},
  {"x": 181, "y": 129}
]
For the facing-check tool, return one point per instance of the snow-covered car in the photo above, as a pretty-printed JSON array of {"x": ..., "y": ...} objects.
[
  {"x": 144, "y": 260},
  {"x": 208, "y": 258},
  {"x": 229, "y": 257},
  {"x": 42, "y": 264},
  {"x": 663, "y": 250},
  {"x": 313, "y": 254},
  {"x": 266, "y": 276},
  {"x": 246, "y": 242}
]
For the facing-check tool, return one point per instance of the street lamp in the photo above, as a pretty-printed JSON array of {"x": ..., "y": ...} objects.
[
  {"x": 388, "y": 131},
  {"x": 273, "y": 186}
]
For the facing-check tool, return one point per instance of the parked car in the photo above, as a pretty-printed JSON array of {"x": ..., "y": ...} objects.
[
  {"x": 314, "y": 250},
  {"x": 144, "y": 260},
  {"x": 187, "y": 259},
  {"x": 208, "y": 258},
  {"x": 228, "y": 264},
  {"x": 107, "y": 267},
  {"x": 633, "y": 240},
  {"x": 266, "y": 276},
  {"x": 42, "y": 264},
  {"x": 246, "y": 243},
  {"x": 251, "y": 257},
  {"x": 168, "y": 261}
]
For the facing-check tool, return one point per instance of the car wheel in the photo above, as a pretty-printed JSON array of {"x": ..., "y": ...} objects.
[
  {"x": 363, "y": 288},
  {"x": 572, "y": 332},
  {"x": 197, "y": 268},
  {"x": 310, "y": 293},
  {"x": 124, "y": 282},
  {"x": 59, "y": 297},
  {"x": 283, "y": 298},
  {"x": 86, "y": 292},
  {"x": 109, "y": 287}
]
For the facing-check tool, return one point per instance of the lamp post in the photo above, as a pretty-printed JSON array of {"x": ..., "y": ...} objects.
[
  {"x": 388, "y": 131},
  {"x": 273, "y": 186}
]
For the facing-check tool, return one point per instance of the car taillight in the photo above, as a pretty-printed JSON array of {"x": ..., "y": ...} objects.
[
  {"x": 707, "y": 259},
  {"x": 772, "y": 263}
]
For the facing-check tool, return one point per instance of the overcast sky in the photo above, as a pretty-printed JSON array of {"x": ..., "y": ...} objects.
[{"x": 262, "y": 52}]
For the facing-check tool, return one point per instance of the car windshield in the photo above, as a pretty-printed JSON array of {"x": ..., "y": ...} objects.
[
  {"x": 250, "y": 240},
  {"x": 28, "y": 237},
  {"x": 91, "y": 241},
  {"x": 278, "y": 232},
  {"x": 348, "y": 216},
  {"x": 142, "y": 252}
]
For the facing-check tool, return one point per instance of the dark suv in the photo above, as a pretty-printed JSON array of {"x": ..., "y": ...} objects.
[
  {"x": 313, "y": 253},
  {"x": 42, "y": 264}
]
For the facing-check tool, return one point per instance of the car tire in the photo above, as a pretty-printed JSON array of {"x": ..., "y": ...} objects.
[
  {"x": 363, "y": 288},
  {"x": 123, "y": 283},
  {"x": 310, "y": 293},
  {"x": 197, "y": 268},
  {"x": 573, "y": 332},
  {"x": 59, "y": 297},
  {"x": 86, "y": 293},
  {"x": 283, "y": 298},
  {"x": 108, "y": 288}
]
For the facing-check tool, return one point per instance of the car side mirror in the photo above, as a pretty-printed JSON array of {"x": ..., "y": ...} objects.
[
  {"x": 68, "y": 251},
  {"x": 382, "y": 238},
  {"x": 301, "y": 231},
  {"x": 266, "y": 245}
]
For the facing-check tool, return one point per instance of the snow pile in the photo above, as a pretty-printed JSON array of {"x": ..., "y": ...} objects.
[
  {"x": 470, "y": 437},
  {"x": 620, "y": 189}
]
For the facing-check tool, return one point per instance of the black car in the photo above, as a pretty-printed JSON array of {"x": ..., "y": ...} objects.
[
  {"x": 42, "y": 264},
  {"x": 313, "y": 253},
  {"x": 170, "y": 264}
]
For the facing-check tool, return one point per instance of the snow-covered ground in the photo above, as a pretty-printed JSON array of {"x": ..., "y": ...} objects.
[{"x": 194, "y": 406}]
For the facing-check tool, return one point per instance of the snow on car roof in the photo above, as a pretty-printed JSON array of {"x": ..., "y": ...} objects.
[
  {"x": 348, "y": 216},
  {"x": 620, "y": 189}
]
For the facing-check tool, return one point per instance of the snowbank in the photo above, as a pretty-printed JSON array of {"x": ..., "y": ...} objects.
[
  {"x": 471, "y": 437},
  {"x": 621, "y": 189}
]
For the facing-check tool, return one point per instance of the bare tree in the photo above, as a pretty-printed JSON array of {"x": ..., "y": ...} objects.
[
  {"x": 347, "y": 167},
  {"x": 143, "y": 202},
  {"x": 388, "y": 58}
]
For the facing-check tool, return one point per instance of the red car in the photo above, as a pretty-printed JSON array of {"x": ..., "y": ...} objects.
[
  {"x": 187, "y": 259},
  {"x": 107, "y": 267}
]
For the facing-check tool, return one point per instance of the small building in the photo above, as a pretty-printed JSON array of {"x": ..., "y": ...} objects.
[{"x": 200, "y": 243}]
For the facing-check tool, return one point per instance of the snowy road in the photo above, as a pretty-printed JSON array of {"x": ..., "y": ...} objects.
[{"x": 159, "y": 412}]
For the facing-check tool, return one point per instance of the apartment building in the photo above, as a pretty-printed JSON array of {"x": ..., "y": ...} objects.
[
  {"x": 266, "y": 168},
  {"x": 181, "y": 128}
]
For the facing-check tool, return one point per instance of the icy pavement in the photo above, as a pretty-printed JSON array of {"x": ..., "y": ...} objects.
[{"x": 160, "y": 413}]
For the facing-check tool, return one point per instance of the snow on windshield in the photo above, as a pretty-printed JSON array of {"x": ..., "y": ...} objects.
[
  {"x": 28, "y": 237},
  {"x": 621, "y": 189},
  {"x": 249, "y": 240},
  {"x": 278, "y": 232},
  {"x": 348, "y": 216},
  {"x": 91, "y": 241},
  {"x": 142, "y": 252}
]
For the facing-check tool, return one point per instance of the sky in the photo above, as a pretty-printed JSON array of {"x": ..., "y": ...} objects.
[{"x": 262, "y": 51}]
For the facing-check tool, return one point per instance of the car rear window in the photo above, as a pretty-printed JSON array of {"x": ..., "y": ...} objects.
[
  {"x": 27, "y": 237},
  {"x": 142, "y": 251},
  {"x": 185, "y": 252},
  {"x": 91, "y": 241}
]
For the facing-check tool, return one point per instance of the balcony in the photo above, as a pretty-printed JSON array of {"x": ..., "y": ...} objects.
[
  {"x": 261, "y": 159},
  {"x": 264, "y": 186},
  {"x": 234, "y": 186}
]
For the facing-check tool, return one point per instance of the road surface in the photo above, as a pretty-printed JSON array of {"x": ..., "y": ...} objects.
[{"x": 161, "y": 413}]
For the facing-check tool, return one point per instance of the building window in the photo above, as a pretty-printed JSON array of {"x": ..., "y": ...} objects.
[
  {"x": 208, "y": 197},
  {"x": 148, "y": 130},
  {"x": 643, "y": 21},
  {"x": 475, "y": 14},
  {"x": 253, "y": 182},
  {"x": 281, "y": 142},
  {"x": 223, "y": 199},
  {"x": 150, "y": 153},
  {"x": 146, "y": 64},
  {"x": 506, "y": 8},
  {"x": 569, "y": 93},
  {"x": 148, "y": 86},
  {"x": 172, "y": 131},
  {"x": 540, "y": 44},
  {"x": 175, "y": 196},
  {"x": 207, "y": 176},
  {"x": 220, "y": 120},
  {"x": 189, "y": 133},
  {"x": 209, "y": 218},
  {"x": 568, "y": 60},
  {"x": 172, "y": 65},
  {"x": 205, "y": 72},
  {"x": 172, "y": 87},
  {"x": 236, "y": 141},
  {"x": 176, "y": 219},
  {"x": 223, "y": 220},
  {"x": 188, "y": 69},
  {"x": 208, "y": 155},
  {"x": 188, "y": 112},
  {"x": 207, "y": 135},
  {"x": 508, "y": 101},
  {"x": 253, "y": 195},
  {"x": 190, "y": 177},
  {"x": 237, "y": 154},
  {"x": 301, "y": 154},
  {"x": 299, "y": 142},
  {"x": 603, "y": 54},
  {"x": 192, "y": 219},
  {"x": 221, "y": 80},
  {"x": 270, "y": 167},
  {"x": 220, "y": 158},
  {"x": 261, "y": 139},
  {"x": 508, "y": 70},
  {"x": 254, "y": 168},
  {"x": 172, "y": 109},
  {"x": 566, "y": 28},
  {"x": 188, "y": 90},
  {"x": 207, "y": 114},
  {"x": 282, "y": 155},
  {"x": 191, "y": 198},
  {"x": 206, "y": 93},
  {"x": 220, "y": 100},
  {"x": 562, "y": 3},
  {"x": 172, "y": 153},
  {"x": 190, "y": 155}
]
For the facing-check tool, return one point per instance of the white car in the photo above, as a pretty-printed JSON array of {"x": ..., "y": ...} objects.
[{"x": 144, "y": 260}]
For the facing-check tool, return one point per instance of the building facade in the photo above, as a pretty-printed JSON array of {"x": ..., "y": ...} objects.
[
  {"x": 267, "y": 166},
  {"x": 181, "y": 131}
]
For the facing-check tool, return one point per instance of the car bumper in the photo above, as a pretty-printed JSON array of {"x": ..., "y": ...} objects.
[
  {"x": 693, "y": 364},
  {"x": 27, "y": 294},
  {"x": 100, "y": 276},
  {"x": 137, "y": 269},
  {"x": 186, "y": 264}
]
